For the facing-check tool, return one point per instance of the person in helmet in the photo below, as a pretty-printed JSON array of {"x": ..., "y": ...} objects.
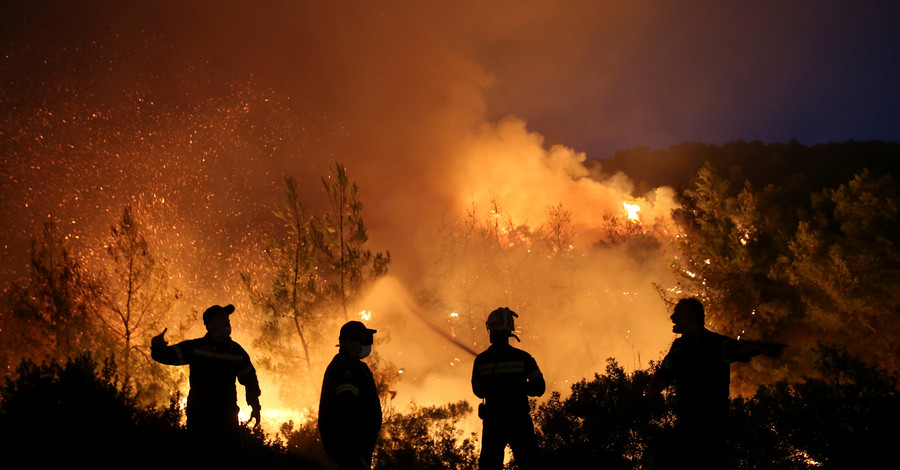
[
  {"x": 504, "y": 377},
  {"x": 215, "y": 362},
  {"x": 349, "y": 407}
]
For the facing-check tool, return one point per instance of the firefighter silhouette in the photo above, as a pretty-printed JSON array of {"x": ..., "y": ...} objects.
[
  {"x": 698, "y": 364},
  {"x": 504, "y": 377},
  {"x": 349, "y": 407},
  {"x": 215, "y": 361}
]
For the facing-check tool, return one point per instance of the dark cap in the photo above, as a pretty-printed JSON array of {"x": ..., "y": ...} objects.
[
  {"x": 215, "y": 310},
  {"x": 356, "y": 331}
]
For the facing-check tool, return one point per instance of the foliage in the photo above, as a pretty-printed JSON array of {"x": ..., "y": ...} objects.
[
  {"x": 423, "y": 438},
  {"x": 82, "y": 414},
  {"x": 844, "y": 417},
  {"x": 134, "y": 295},
  {"x": 293, "y": 295},
  {"x": 610, "y": 421},
  {"x": 303, "y": 439},
  {"x": 311, "y": 276},
  {"x": 341, "y": 239},
  {"x": 793, "y": 170},
  {"x": 846, "y": 264},
  {"x": 426, "y": 438},
  {"x": 841, "y": 418},
  {"x": 52, "y": 314},
  {"x": 488, "y": 259},
  {"x": 729, "y": 256},
  {"x": 319, "y": 267},
  {"x": 728, "y": 248}
]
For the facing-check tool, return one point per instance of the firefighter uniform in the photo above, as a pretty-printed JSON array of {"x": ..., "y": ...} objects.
[
  {"x": 504, "y": 377},
  {"x": 700, "y": 367},
  {"x": 349, "y": 407},
  {"x": 349, "y": 412},
  {"x": 214, "y": 366}
]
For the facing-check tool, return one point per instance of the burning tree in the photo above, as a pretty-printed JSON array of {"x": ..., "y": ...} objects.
[
  {"x": 488, "y": 259},
  {"x": 558, "y": 233}
]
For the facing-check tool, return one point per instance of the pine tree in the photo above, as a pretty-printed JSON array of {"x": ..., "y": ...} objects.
[
  {"x": 50, "y": 315},
  {"x": 341, "y": 239},
  {"x": 846, "y": 263},
  {"x": 134, "y": 292},
  {"x": 293, "y": 296}
]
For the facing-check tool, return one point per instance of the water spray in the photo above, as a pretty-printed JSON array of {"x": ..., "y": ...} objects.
[{"x": 413, "y": 307}]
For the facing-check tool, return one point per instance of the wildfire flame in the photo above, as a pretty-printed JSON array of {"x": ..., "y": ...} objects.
[{"x": 632, "y": 210}]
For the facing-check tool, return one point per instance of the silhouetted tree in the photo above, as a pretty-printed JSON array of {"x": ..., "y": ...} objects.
[
  {"x": 311, "y": 275},
  {"x": 728, "y": 255},
  {"x": 841, "y": 416},
  {"x": 50, "y": 314},
  {"x": 294, "y": 294},
  {"x": 134, "y": 293},
  {"x": 846, "y": 263},
  {"x": 79, "y": 413},
  {"x": 341, "y": 239},
  {"x": 609, "y": 421},
  {"x": 427, "y": 438}
]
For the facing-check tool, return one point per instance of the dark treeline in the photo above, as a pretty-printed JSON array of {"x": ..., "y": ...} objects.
[{"x": 796, "y": 170}]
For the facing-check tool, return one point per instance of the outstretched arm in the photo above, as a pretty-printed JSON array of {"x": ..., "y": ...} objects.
[
  {"x": 744, "y": 350},
  {"x": 160, "y": 351}
]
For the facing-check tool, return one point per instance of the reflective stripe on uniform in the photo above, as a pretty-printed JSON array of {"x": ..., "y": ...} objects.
[{"x": 346, "y": 388}]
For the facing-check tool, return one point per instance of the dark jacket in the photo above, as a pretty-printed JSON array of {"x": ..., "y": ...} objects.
[
  {"x": 213, "y": 370},
  {"x": 349, "y": 408},
  {"x": 700, "y": 367},
  {"x": 505, "y": 377}
]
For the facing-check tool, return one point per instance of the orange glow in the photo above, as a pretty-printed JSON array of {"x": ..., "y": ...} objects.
[{"x": 632, "y": 210}]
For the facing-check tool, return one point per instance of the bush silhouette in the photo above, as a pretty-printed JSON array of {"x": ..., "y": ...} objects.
[{"x": 77, "y": 414}]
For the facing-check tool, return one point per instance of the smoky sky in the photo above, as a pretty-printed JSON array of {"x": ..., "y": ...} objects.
[{"x": 391, "y": 89}]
